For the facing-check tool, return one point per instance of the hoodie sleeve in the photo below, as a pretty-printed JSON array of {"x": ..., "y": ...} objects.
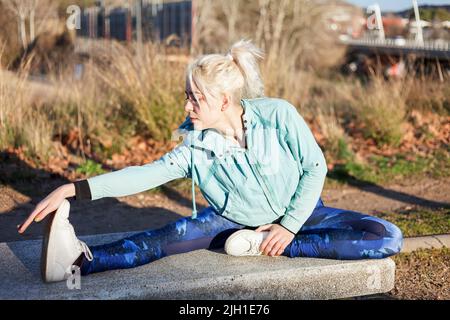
[
  {"x": 135, "y": 179},
  {"x": 312, "y": 166}
]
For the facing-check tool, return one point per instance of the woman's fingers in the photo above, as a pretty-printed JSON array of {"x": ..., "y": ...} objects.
[
  {"x": 39, "y": 208},
  {"x": 45, "y": 212},
  {"x": 265, "y": 242},
  {"x": 264, "y": 227},
  {"x": 275, "y": 242},
  {"x": 283, "y": 245},
  {"x": 268, "y": 238},
  {"x": 43, "y": 208},
  {"x": 276, "y": 245},
  {"x": 272, "y": 240},
  {"x": 275, "y": 248}
]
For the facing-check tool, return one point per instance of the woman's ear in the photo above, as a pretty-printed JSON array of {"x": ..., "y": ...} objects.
[{"x": 225, "y": 102}]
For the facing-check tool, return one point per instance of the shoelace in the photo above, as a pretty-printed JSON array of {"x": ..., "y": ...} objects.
[
  {"x": 254, "y": 246},
  {"x": 87, "y": 252}
]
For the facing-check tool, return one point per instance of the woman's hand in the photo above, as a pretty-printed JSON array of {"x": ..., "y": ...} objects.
[
  {"x": 48, "y": 205},
  {"x": 276, "y": 241}
]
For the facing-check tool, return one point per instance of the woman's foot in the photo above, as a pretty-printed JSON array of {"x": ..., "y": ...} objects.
[
  {"x": 245, "y": 243},
  {"x": 61, "y": 248}
]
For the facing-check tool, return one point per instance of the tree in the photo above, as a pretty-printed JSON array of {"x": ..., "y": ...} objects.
[
  {"x": 231, "y": 11},
  {"x": 23, "y": 9}
]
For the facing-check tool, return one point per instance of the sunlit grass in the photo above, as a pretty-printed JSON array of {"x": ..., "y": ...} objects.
[{"x": 419, "y": 222}]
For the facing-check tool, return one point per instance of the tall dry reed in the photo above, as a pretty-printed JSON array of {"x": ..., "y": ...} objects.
[
  {"x": 147, "y": 85},
  {"x": 22, "y": 120}
]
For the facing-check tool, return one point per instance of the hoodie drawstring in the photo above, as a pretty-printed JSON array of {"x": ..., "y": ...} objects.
[{"x": 194, "y": 207}]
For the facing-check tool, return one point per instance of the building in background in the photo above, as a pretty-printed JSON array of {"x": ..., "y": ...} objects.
[
  {"x": 346, "y": 19},
  {"x": 167, "y": 21}
]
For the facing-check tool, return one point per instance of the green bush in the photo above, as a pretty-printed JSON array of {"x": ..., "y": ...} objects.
[{"x": 90, "y": 168}]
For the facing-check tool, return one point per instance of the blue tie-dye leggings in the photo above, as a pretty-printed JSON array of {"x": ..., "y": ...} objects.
[{"x": 328, "y": 233}]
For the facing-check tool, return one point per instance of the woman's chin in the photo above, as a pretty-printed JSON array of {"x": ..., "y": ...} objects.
[{"x": 197, "y": 124}]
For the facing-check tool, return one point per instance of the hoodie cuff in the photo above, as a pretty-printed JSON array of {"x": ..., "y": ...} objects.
[
  {"x": 82, "y": 190},
  {"x": 290, "y": 223}
]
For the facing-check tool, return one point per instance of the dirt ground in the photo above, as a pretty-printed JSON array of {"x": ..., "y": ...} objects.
[
  {"x": 422, "y": 274},
  {"x": 419, "y": 276}
]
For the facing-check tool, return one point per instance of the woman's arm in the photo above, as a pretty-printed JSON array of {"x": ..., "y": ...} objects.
[
  {"x": 135, "y": 179},
  {"x": 123, "y": 182},
  {"x": 312, "y": 165}
]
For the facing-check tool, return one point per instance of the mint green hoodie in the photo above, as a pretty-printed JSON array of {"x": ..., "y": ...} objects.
[{"x": 280, "y": 174}]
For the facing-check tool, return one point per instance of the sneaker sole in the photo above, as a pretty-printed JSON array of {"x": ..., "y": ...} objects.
[
  {"x": 44, "y": 250},
  {"x": 234, "y": 235}
]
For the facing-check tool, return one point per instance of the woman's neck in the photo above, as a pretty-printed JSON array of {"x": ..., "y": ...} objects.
[{"x": 233, "y": 125}]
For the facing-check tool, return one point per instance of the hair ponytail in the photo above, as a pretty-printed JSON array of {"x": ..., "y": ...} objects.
[{"x": 246, "y": 55}]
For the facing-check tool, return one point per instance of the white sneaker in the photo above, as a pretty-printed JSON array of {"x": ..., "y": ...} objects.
[
  {"x": 60, "y": 246},
  {"x": 245, "y": 243}
]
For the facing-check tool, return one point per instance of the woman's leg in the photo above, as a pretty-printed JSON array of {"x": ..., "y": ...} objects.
[
  {"x": 341, "y": 234},
  {"x": 208, "y": 231}
]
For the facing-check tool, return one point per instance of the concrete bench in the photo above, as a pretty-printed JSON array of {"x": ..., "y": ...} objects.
[{"x": 200, "y": 274}]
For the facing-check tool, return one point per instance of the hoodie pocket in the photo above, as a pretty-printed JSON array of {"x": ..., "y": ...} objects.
[{"x": 232, "y": 202}]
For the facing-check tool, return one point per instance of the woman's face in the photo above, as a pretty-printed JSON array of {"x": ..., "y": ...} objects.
[{"x": 202, "y": 115}]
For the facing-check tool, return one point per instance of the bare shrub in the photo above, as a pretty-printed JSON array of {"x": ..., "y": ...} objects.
[{"x": 381, "y": 107}]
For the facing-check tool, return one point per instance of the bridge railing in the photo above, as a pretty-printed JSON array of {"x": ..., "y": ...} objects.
[{"x": 437, "y": 45}]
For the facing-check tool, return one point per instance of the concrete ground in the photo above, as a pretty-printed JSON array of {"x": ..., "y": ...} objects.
[{"x": 201, "y": 274}]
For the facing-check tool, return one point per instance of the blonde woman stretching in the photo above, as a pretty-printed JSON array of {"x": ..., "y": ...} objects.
[{"x": 257, "y": 164}]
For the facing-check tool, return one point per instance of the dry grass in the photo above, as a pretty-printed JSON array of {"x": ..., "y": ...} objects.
[
  {"x": 81, "y": 107},
  {"x": 22, "y": 120},
  {"x": 381, "y": 108},
  {"x": 147, "y": 85},
  {"x": 128, "y": 91},
  {"x": 125, "y": 93}
]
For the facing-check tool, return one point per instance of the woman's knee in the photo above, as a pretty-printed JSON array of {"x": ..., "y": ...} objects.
[
  {"x": 396, "y": 238},
  {"x": 392, "y": 237}
]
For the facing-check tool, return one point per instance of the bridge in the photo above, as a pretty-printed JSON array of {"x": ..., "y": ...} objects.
[{"x": 399, "y": 47}]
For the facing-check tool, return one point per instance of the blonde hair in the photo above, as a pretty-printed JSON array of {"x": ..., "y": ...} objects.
[{"x": 236, "y": 73}]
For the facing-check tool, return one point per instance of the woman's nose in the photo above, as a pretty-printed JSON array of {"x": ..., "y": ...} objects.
[{"x": 188, "y": 106}]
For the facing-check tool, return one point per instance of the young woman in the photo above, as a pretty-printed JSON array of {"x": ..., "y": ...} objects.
[{"x": 257, "y": 164}]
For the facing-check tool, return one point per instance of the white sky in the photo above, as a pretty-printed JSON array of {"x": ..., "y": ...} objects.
[{"x": 396, "y": 5}]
